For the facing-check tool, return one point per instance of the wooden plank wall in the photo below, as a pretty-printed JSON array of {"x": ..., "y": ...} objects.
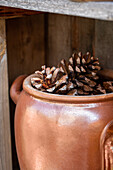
[
  {"x": 58, "y": 44},
  {"x": 26, "y": 53},
  {"x": 25, "y": 37},
  {"x": 65, "y": 33},
  {"x": 104, "y": 42},
  {"x": 47, "y": 38},
  {"x": 5, "y": 138}
]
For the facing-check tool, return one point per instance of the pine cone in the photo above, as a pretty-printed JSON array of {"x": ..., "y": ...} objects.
[
  {"x": 78, "y": 76},
  {"x": 49, "y": 80},
  {"x": 82, "y": 72}
]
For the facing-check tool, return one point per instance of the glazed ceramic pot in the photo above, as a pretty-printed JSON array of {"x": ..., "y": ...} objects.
[{"x": 58, "y": 132}]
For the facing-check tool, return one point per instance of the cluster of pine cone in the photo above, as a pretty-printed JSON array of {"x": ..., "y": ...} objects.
[{"x": 78, "y": 76}]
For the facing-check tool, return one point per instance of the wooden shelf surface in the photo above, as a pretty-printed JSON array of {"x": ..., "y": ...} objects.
[{"x": 97, "y": 10}]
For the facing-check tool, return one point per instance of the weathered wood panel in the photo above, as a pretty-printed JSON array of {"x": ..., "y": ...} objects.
[
  {"x": 25, "y": 37},
  {"x": 104, "y": 43},
  {"x": 26, "y": 53},
  {"x": 58, "y": 43},
  {"x": 5, "y": 143},
  {"x": 65, "y": 34},
  {"x": 98, "y": 10},
  {"x": 83, "y": 34}
]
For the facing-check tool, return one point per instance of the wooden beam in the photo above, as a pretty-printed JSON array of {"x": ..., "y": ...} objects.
[
  {"x": 5, "y": 143},
  {"x": 98, "y": 10}
]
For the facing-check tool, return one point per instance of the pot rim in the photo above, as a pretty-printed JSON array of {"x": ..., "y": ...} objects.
[{"x": 62, "y": 98}]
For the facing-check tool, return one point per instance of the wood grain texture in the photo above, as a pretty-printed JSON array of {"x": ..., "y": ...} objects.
[
  {"x": 98, "y": 10},
  {"x": 67, "y": 33},
  {"x": 104, "y": 43},
  {"x": 5, "y": 143},
  {"x": 58, "y": 42},
  {"x": 25, "y": 37},
  {"x": 8, "y": 12},
  {"x": 0, "y": 164},
  {"x": 26, "y": 53},
  {"x": 83, "y": 34}
]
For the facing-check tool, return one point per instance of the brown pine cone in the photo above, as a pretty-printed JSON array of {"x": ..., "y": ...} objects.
[
  {"x": 76, "y": 77},
  {"x": 49, "y": 79},
  {"x": 82, "y": 72}
]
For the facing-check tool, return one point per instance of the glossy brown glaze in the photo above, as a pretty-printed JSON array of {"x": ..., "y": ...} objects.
[{"x": 59, "y": 132}]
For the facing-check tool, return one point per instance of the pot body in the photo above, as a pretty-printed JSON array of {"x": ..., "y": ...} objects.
[{"x": 59, "y": 136}]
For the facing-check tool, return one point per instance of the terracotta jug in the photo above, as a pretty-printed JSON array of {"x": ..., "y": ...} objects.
[{"x": 58, "y": 132}]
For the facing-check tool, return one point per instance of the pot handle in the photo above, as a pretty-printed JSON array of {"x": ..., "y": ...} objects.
[
  {"x": 106, "y": 146},
  {"x": 15, "y": 89}
]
